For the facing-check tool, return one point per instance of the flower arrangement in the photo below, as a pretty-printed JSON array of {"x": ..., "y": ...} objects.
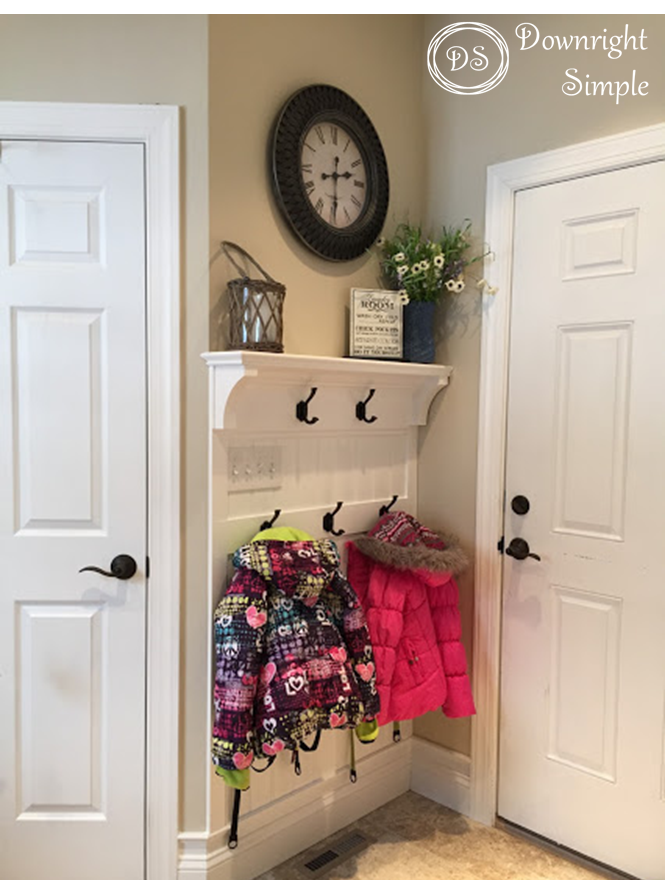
[{"x": 425, "y": 267}]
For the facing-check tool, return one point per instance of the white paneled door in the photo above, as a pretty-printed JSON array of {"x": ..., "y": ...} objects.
[
  {"x": 72, "y": 494},
  {"x": 582, "y": 745}
]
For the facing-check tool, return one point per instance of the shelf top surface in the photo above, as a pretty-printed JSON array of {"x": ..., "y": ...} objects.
[{"x": 270, "y": 361}]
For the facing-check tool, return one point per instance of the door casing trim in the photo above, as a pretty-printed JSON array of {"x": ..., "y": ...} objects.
[
  {"x": 503, "y": 182},
  {"x": 157, "y": 128}
]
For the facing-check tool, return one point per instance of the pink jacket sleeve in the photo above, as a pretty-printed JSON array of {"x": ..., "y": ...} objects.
[{"x": 444, "y": 605}]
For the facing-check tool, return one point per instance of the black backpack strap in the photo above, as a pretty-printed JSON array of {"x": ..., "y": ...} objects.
[
  {"x": 295, "y": 759},
  {"x": 233, "y": 832},
  {"x": 397, "y": 733},
  {"x": 315, "y": 743},
  {"x": 271, "y": 761},
  {"x": 353, "y": 774}
]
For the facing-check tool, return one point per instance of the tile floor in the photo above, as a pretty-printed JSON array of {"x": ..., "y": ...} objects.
[{"x": 416, "y": 839}]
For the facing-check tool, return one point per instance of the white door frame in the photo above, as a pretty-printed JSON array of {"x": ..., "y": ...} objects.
[
  {"x": 156, "y": 127},
  {"x": 503, "y": 182}
]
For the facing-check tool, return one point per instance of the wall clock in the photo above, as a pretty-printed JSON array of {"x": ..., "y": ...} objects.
[{"x": 329, "y": 172}]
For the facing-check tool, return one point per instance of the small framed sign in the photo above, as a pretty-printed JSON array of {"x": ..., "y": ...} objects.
[{"x": 375, "y": 324}]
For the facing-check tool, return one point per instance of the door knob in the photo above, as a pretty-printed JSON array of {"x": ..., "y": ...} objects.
[
  {"x": 520, "y": 505},
  {"x": 519, "y": 549},
  {"x": 122, "y": 567}
]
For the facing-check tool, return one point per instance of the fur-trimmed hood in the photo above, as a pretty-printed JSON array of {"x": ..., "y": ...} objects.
[{"x": 400, "y": 541}]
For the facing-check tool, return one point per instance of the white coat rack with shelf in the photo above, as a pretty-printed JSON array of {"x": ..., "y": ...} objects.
[{"x": 277, "y": 445}]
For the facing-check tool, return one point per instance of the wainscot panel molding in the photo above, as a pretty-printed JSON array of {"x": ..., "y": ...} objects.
[
  {"x": 291, "y": 439},
  {"x": 295, "y": 821},
  {"x": 441, "y": 774}
]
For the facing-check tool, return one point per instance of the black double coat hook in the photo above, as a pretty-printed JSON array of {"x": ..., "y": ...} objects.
[
  {"x": 329, "y": 521},
  {"x": 268, "y": 524},
  {"x": 386, "y": 507},
  {"x": 361, "y": 408},
  {"x": 302, "y": 409}
]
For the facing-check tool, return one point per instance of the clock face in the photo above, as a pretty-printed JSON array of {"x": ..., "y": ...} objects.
[
  {"x": 329, "y": 172},
  {"x": 334, "y": 174}
]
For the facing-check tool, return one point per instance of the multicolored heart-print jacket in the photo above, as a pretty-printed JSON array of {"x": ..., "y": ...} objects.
[{"x": 293, "y": 652}]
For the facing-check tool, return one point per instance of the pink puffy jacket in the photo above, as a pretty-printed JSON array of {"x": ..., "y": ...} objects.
[{"x": 410, "y": 600}]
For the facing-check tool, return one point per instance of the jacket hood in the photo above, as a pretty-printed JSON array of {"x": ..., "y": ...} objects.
[
  {"x": 400, "y": 541},
  {"x": 296, "y": 568}
]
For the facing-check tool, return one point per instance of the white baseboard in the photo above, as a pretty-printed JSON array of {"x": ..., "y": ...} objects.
[
  {"x": 285, "y": 827},
  {"x": 440, "y": 774}
]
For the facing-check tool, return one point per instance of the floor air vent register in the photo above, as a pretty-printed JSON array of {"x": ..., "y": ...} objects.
[{"x": 343, "y": 849}]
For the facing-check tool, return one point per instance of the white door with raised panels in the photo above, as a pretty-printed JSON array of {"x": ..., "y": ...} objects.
[
  {"x": 582, "y": 745},
  {"x": 72, "y": 494}
]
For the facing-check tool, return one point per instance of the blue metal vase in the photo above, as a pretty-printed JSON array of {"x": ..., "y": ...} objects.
[{"x": 419, "y": 332}]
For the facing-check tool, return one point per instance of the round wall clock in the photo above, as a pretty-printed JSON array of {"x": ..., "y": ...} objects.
[{"x": 329, "y": 172}]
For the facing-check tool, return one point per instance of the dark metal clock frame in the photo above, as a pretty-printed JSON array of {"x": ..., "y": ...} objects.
[{"x": 305, "y": 108}]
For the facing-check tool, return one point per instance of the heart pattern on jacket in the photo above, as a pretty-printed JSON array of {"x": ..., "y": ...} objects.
[
  {"x": 255, "y": 618},
  {"x": 271, "y": 749},
  {"x": 338, "y": 720},
  {"x": 294, "y": 684},
  {"x": 242, "y": 762},
  {"x": 268, "y": 673},
  {"x": 365, "y": 670},
  {"x": 338, "y": 654}
]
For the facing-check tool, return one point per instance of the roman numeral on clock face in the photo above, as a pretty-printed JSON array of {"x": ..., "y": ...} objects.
[
  {"x": 319, "y": 134},
  {"x": 309, "y": 185},
  {"x": 318, "y": 207},
  {"x": 306, "y": 169},
  {"x": 355, "y": 201},
  {"x": 356, "y": 163},
  {"x": 359, "y": 183},
  {"x": 333, "y": 134}
]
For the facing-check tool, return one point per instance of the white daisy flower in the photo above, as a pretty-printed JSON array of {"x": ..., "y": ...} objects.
[
  {"x": 402, "y": 271},
  {"x": 439, "y": 261},
  {"x": 425, "y": 264},
  {"x": 380, "y": 241},
  {"x": 399, "y": 258},
  {"x": 404, "y": 297},
  {"x": 456, "y": 285},
  {"x": 416, "y": 269}
]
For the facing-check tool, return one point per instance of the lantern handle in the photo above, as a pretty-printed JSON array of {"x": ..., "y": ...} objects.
[{"x": 225, "y": 245}]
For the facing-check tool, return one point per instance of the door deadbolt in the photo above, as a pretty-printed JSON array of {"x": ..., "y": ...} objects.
[{"x": 520, "y": 505}]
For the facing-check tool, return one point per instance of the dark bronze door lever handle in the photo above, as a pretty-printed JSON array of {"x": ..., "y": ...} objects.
[
  {"x": 122, "y": 567},
  {"x": 519, "y": 549}
]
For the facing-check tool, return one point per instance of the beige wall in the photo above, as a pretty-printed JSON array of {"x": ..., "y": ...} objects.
[
  {"x": 256, "y": 63},
  {"x": 527, "y": 113},
  {"x": 133, "y": 59}
]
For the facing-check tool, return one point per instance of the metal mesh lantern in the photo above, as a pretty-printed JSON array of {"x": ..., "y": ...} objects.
[{"x": 255, "y": 308}]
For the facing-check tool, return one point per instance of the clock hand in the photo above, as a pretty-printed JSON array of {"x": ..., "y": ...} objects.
[{"x": 335, "y": 176}]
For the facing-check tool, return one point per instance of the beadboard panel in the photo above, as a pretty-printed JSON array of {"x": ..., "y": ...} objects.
[{"x": 263, "y": 459}]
